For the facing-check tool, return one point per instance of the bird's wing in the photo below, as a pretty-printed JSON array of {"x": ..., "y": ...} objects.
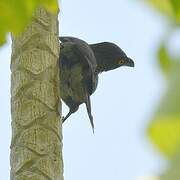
[
  {"x": 83, "y": 48},
  {"x": 87, "y": 60}
]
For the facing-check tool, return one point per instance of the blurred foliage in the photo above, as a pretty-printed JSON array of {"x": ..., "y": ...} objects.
[
  {"x": 170, "y": 8},
  {"x": 165, "y": 127},
  {"x": 164, "y": 58},
  {"x": 15, "y": 14},
  {"x": 173, "y": 172},
  {"x": 165, "y": 134},
  {"x": 164, "y": 130}
]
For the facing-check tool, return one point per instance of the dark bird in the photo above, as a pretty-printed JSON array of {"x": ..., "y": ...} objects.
[{"x": 80, "y": 64}]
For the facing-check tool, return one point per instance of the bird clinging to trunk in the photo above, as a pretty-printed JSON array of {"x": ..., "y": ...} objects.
[{"x": 80, "y": 64}]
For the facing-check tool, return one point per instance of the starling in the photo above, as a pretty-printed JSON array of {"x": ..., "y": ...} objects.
[{"x": 80, "y": 64}]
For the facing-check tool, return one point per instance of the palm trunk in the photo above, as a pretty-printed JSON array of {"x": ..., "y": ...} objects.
[{"x": 36, "y": 147}]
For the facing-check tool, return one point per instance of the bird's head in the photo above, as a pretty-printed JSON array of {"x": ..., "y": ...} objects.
[
  {"x": 109, "y": 56},
  {"x": 124, "y": 61}
]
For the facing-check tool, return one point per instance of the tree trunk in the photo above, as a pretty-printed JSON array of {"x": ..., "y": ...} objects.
[{"x": 36, "y": 147}]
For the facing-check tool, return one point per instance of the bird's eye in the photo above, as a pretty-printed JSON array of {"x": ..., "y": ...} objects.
[{"x": 121, "y": 62}]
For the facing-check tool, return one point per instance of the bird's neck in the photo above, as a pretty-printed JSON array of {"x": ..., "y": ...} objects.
[{"x": 103, "y": 57}]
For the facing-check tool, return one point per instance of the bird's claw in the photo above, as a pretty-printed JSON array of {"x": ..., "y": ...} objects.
[{"x": 62, "y": 119}]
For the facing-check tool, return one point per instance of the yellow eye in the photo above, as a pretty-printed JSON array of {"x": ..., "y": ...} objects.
[{"x": 121, "y": 62}]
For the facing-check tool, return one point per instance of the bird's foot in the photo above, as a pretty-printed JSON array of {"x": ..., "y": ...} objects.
[{"x": 62, "y": 119}]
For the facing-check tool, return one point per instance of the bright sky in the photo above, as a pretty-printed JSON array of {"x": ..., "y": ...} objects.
[{"x": 123, "y": 103}]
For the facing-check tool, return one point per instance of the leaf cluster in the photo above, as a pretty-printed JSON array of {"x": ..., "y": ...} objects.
[{"x": 15, "y": 14}]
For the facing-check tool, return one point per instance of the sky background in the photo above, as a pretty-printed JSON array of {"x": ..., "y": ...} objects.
[{"x": 123, "y": 103}]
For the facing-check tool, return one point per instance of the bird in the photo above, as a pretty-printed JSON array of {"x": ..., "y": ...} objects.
[{"x": 80, "y": 65}]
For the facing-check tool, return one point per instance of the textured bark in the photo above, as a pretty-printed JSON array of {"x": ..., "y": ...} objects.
[{"x": 36, "y": 147}]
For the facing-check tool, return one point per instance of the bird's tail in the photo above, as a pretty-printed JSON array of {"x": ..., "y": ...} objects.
[{"x": 88, "y": 107}]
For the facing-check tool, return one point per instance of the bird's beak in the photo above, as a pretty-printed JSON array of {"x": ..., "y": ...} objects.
[{"x": 130, "y": 62}]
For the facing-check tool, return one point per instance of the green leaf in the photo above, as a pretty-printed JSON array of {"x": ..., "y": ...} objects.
[
  {"x": 176, "y": 8},
  {"x": 164, "y": 6},
  {"x": 170, "y": 8},
  {"x": 164, "y": 59},
  {"x": 15, "y": 14},
  {"x": 165, "y": 134}
]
